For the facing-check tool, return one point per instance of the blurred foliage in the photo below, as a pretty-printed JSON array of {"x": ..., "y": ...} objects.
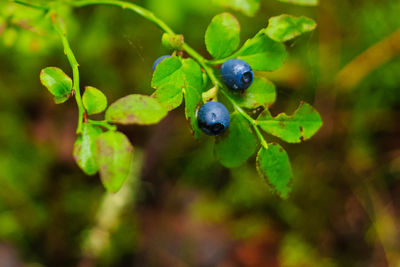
[{"x": 190, "y": 211}]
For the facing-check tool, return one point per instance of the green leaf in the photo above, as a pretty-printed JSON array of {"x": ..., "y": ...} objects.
[
  {"x": 57, "y": 82},
  {"x": 94, "y": 100},
  {"x": 172, "y": 76},
  {"x": 114, "y": 157},
  {"x": 273, "y": 164},
  {"x": 85, "y": 152},
  {"x": 301, "y": 2},
  {"x": 222, "y": 35},
  {"x": 175, "y": 76},
  {"x": 136, "y": 109},
  {"x": 300, "y": 126},
  {"x": 192, "y": 92},
  {"x": 237, "y": 144},
  {"x": 285, "y": 27},
  {"x": 261, "y": 93},
  {"x": 248, "y": 7},
  {"x": 263, "y": 53},
  {"x": 167, "y": 82}
]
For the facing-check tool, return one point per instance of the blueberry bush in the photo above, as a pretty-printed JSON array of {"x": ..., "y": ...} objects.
[
  {"x": 193, "y": 195},
  {"x": 232, "y": 75}
]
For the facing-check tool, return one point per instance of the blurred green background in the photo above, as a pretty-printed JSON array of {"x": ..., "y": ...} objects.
[{"x": 180, "y": 207}]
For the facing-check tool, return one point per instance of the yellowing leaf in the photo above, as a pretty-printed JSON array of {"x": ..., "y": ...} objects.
[
  {"x": 300, "y": 126},
  {"x": 114, "y": 157},
  {"x": 85, "y": 152},
  {"x": 284, "y": 28},
  {"x": 94, "y": 100},
  {"x": 136, "y": 109}
]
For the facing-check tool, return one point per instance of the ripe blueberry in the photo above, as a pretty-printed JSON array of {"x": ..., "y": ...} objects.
[
  {"x": 158, "y": 60},
  {"x": 237, "y": 74},
  {"x": 213, "y": 118}
]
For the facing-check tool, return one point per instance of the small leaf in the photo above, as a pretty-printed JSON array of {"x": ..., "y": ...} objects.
[
  {"x": 166, "y": 80},
  {"x": 263, "y": 53},
  {"x": 175, "y": 76},
  {"x": 301, "y": 2},
  {"x": 169, "y": 97},
  {"x": 222, "y": 35},
  {"x": 57, "y": 82},
  {"x": 114, "y": 157},
  {"x": 273, "y": 164},
  {"x": 261, "y": 93},
  {"x": 85, "y": 152},
  {"x": 136, "y": 109},
  {"x": 284, "y": 28},
  {"x": 248, "y": 7},
  {"x": 237, "y": 144},
  {"x": 94, "y": 100},
  {"x": 300, "y": 126}
]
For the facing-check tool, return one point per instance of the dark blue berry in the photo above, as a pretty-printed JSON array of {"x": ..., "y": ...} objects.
[
  {"x": 237, "y": 74},
  {"x": 213, "y": 118},
  {"x": 158, "y": 60}
]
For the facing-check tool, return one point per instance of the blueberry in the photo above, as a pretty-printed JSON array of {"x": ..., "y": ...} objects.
[
  {"x": 158, "y": 60},
  {"x": 213, "y": 118},
  {"x": 237, "y": 74}
]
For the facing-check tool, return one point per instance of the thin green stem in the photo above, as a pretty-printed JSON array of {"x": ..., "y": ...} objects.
[
  {"x": 126, "y": 5},
  {"x": 202, "y": 62},
  {"x": 220, "y": 61},
  {"x": 252, "y": 121},
  {"x": 29, "y": 4},
  {"x": 103, "y": 124},
  {"x": 75, "y": 69},
  {"x": 150, "y": 16},
  {"x": 260, "y": 136}
]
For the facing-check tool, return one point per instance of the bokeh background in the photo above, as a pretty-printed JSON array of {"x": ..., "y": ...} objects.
[{"x": 180, "y": 207}]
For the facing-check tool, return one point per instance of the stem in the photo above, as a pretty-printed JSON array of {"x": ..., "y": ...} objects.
[
  {"x": 252, "y": 121},
  {"x": 126, "y": 5},
  {"x": 75, "y": 70},
  {"x": 150, "y": 16},
  {"x": 260, "y": 136},
  {"x": 202, "y": 62},
  {"x": 103, "y": 124},
  {"x": 29, "y": 4}
]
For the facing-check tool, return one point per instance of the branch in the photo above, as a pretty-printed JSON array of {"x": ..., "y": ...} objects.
[
  {"x": 32, "y": 5},
  {"x": 200, "y": 59},
  {"x": 58, "y": 26}
]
